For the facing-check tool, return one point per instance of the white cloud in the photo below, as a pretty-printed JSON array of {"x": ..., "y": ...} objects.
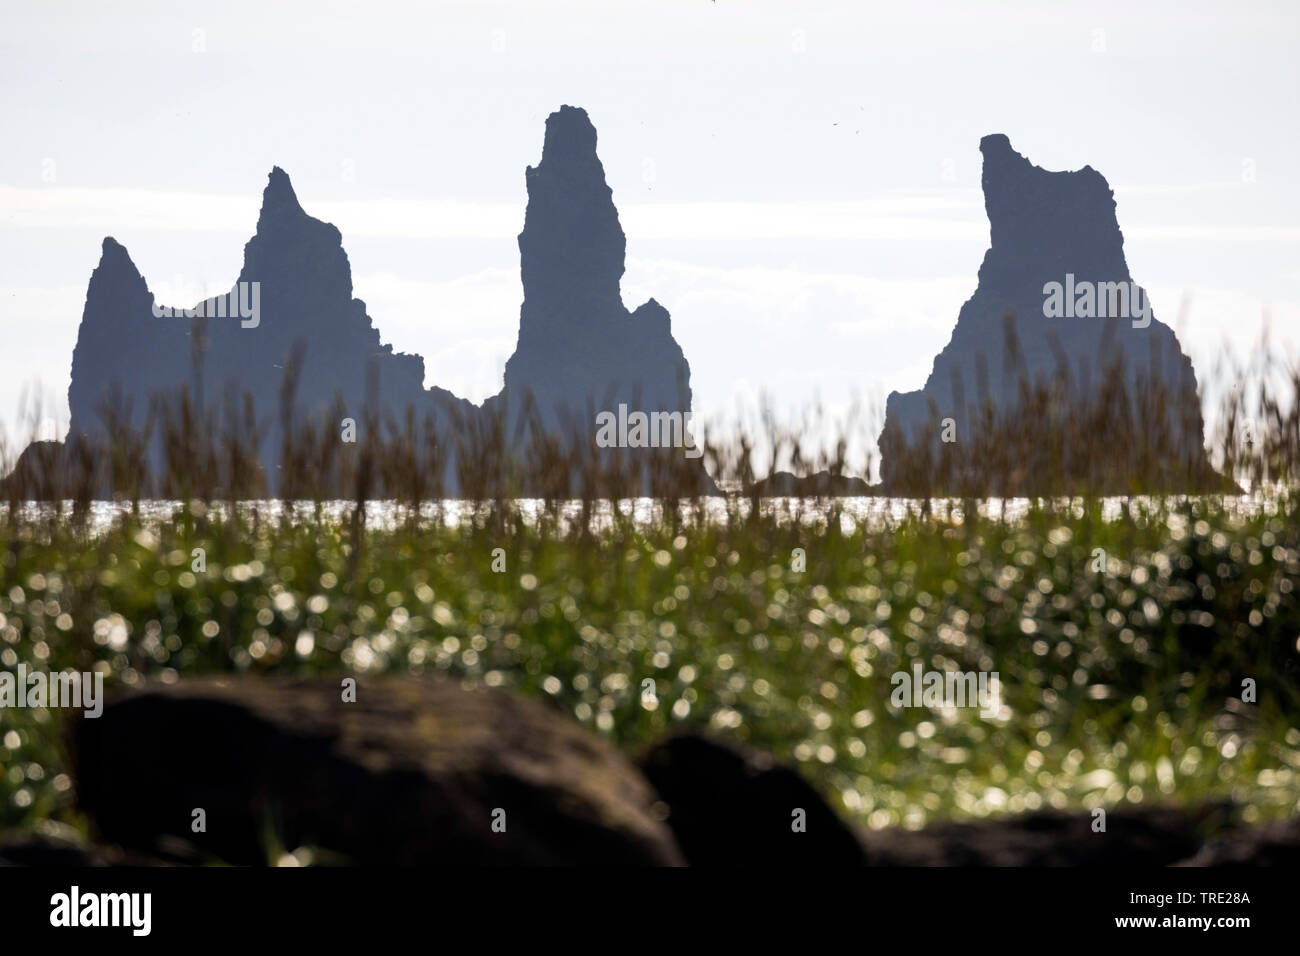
[{"x": 915, "y": 217}]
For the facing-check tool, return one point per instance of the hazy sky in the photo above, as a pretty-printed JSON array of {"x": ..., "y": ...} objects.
[{"x": 799, "y": 182}]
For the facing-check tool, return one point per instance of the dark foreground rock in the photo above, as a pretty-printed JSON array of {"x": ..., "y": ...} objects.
[
  {"x": 416, "y": 771},
  {"x": 48, "y": 850},
  {"x": 1155, "y": 836},
  {"x": 36, "y": 850},
  {"x": 1271, "y": 844},
  {"x": 413, "y": 773},
  {"x": 733, "y": 806},
  {"x": 729, "y": 806}
]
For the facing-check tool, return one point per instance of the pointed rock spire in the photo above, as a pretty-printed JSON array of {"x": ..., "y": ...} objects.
[
  {"x": 580, "y": 350},
  {"x": 572, "y": 247},
  {"x": 113, "y": 256},
  {"x": 295, "y": 255},
  {"x": 279, "y": 201},
  {"x": 117, "y": 331},
  {"x": 115, "y": 280}
]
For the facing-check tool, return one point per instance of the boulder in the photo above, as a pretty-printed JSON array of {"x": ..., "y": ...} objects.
[
  {"x": 1155, "y": 836},
  {"x": 416, "y": 771},
  {"x": 735, "y": 806},
  {"x": 1271, "y": 844},
  {"x": 59, "y": 851}
]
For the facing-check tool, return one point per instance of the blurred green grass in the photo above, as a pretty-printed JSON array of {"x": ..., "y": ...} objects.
[{"x": 1118, "y": 687}]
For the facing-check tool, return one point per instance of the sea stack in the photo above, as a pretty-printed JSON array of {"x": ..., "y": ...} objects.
[
  {"x": 289, "y": 351},
  {"x": 142, "y": 363},
  {"x": 1056, "y": 309},
  {"x": 580, "y": 351}
]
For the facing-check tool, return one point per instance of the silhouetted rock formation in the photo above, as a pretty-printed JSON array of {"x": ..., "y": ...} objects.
[
  {"x": 732, "y": 806},
  {"x": 784, "y": 484},
  {"x": 1051, "y": 227},
  {"x": 580, "y": 351},
  {"x": 415, "y": 771},
  {"x": 290, "y": 312},
  {"x": 291, "y": 343}
]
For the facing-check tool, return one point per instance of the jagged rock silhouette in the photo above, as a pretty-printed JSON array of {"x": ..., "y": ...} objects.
[
  {"x": 126, "y": 356},
  {"x": 1044, "y": 227},
  {"x": 579, "y": 352}
]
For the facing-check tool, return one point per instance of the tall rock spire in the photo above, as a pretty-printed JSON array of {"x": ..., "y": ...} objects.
[
  {"x": 580, "y": 350},
  {"x": 572, "y": 247},
  {"x": 299, "y": 260}
]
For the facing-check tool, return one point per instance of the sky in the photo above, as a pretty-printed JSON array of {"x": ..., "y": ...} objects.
[{"x": 799, "y": 182}]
